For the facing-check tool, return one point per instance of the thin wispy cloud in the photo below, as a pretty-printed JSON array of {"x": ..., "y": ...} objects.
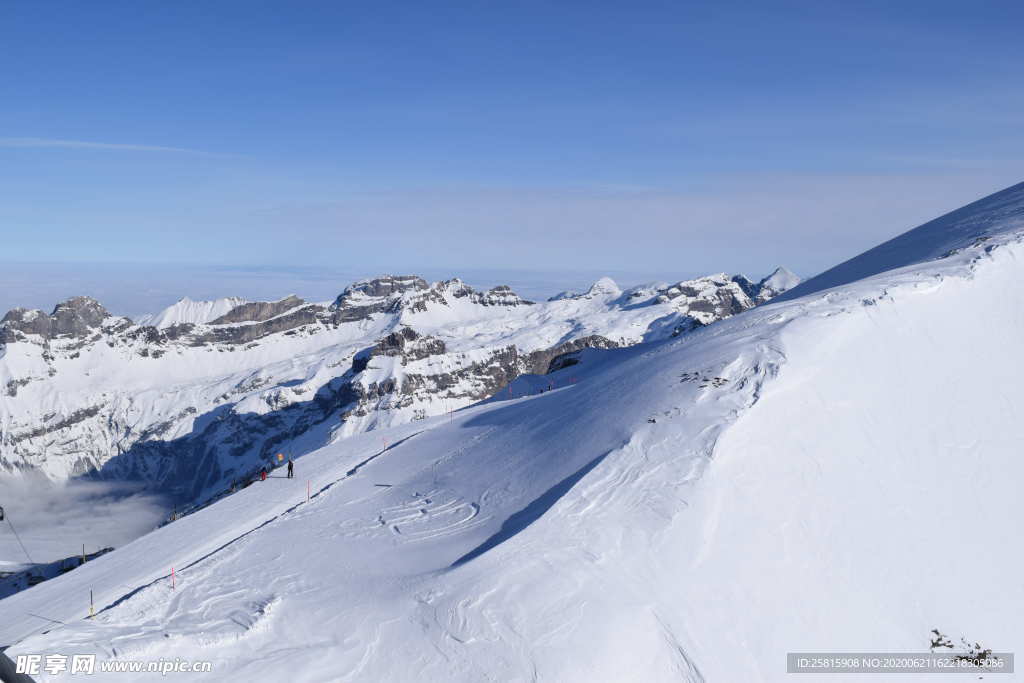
[{"x": 83, "y": 144}]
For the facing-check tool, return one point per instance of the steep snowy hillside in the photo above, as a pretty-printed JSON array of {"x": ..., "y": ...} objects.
[
  {"x": 971, "y": 225},
  {"x": 204, "y": 393},
  {"x": 836, "y": 472},
  {"x": 191, "y": 312}
]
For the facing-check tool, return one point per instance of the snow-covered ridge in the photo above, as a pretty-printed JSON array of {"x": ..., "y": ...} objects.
[
  {"x": 998, "y": 215},
  {"x": 833, "y": 473},
  {"x": 205, "y": 391},
  {"x": 192, "y": 312}
]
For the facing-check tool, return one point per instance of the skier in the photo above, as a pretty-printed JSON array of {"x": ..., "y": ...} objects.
[
  {"x": 291, "y": 468},
  {"x": 263, "y": 474}
]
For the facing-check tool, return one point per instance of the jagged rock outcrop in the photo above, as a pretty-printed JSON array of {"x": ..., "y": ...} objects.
[
  {"x": 79, "y": 316},
  {"x": 258, "y": 311}
]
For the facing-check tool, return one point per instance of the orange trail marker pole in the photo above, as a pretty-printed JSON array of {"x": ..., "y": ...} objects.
[{"x": 172, "y": 578}]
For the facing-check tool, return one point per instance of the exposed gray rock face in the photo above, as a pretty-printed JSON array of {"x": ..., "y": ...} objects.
[
  {"x": 502, "y": 295},
  {"x": 79, "y": 316},
  {"x": 468, "y": 383},
  {"x": 378, "y": 288},
  {"x": 362, "y": 299},
  {"x": 258, "y": 311},
  {"x": 708, "y": 298},
  {"x": 311, "y": 314},
  {"x": 751, "y": 289},
  {"x": 384, "y": 286},
  {"x": 544, "y": 361},
  {"x": 408, "y": 345},
  {"x": 26, "y": 321},
  {"x": 54, "y": 424}
]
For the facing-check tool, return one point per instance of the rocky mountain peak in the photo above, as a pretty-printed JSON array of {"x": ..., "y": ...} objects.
[
  {"x": 76, "y": 317},
  {"x": 380, "y": 287},
  {"x": 502, "y": 295},
  {"x": 781, "y": 280}
]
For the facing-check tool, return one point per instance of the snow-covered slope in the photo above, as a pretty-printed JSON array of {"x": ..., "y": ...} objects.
[
  {"x": 206, "y": 392},
  {"x": 192, "y": 312},
  {"x": 836, "y": 472},
  {"x": 781, "y": 280},
  {"x": 971, "y": 225}
]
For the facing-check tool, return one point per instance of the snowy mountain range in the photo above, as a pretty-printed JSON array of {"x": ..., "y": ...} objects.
[
  {"x": 835, "y": 471},
  {"x": 204, "y": 393}
]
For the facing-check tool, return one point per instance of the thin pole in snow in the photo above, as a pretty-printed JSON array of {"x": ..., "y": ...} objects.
[
  {"x": 172, "y": 578},
  {"x": 307, "y": 490},
  {"x": 91, "y": 612}
]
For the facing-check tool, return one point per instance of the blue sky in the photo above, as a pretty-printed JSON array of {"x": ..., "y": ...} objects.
[{"x": 660, "y": 137}]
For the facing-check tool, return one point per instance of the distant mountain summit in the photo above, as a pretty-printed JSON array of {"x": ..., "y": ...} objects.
[{"x": 191, "y": 312}]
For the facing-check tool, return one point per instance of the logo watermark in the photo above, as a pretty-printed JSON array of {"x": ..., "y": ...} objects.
[{"x": 86, "y": 665}]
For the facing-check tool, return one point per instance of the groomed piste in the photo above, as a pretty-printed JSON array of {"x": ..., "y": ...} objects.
[{"x": 835, "y": 471}]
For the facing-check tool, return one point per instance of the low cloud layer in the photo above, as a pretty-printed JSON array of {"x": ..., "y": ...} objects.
[{"x": 54, "y": 520}]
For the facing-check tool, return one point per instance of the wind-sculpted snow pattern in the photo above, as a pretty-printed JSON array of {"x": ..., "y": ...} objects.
[{"x": 836, "y": 472}]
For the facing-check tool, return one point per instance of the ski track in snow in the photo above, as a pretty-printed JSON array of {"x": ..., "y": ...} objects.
[{"x": 788, "y": 479}]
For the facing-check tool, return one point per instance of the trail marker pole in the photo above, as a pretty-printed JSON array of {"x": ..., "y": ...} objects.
[
  {"x": 91, "y": 612},
  {"x": 172, "y": 578},
  {"x": 83, "y": 553},
  {"x": 307, "y": 490}
]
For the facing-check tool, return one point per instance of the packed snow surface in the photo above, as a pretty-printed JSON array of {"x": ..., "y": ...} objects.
[{"x": 836, "y": 472}]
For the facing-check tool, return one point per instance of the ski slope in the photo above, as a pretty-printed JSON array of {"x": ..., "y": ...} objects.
[{"x": 835, "y": 472}]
